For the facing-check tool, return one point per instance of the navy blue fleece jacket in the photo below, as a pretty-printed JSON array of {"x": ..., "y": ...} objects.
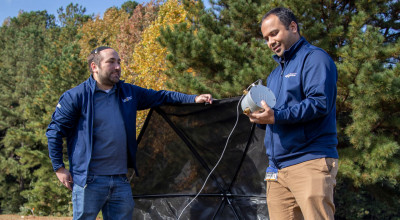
[
  {"x": 304, "y": 84},
  {"x": 73, "y": 119}
]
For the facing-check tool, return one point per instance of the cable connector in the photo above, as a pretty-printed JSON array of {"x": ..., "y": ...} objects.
[{"x": 246, "y": 111}]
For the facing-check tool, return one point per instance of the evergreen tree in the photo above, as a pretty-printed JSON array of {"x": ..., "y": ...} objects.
[
  {"x": 368, "y": 111},
  {"x": 39, "y": 62},
  {"x": 225, "y": 50},
  {"x": 129, "y": 7},
  {"x": 22, "y": 41},
  {"x": 217, "y": 52},
  {"x": 60, "y": 69}
]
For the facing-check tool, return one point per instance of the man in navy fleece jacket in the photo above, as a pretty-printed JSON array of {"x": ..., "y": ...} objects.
[
  {"x": 98, "y": 118},
  {"x": 301, "y": 135}
]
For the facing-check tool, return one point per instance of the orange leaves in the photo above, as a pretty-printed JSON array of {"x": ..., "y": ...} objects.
[
  {"x": 102, "y": 31},
  {"x": 135, "y": 39},
  {"x": 131, "y": 31},
  {"x": 119, "y": 31}
]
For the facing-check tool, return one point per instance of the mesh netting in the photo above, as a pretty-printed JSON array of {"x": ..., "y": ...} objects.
[{"x": 178, "y": 147}]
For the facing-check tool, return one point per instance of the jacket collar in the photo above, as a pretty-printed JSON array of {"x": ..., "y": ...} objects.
[
  {"x": 288, "y": 54},
  {"x": 92, "y": 83}
]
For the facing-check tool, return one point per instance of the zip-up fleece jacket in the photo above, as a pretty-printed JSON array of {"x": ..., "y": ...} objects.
[
  {"x": 73, "y": 119},
  {"x": 304, "y": 84}
]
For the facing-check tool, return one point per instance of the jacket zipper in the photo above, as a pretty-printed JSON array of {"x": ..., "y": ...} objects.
[
  {"x": 91, "y": 132},
  {"x": 272, "y": 126}
]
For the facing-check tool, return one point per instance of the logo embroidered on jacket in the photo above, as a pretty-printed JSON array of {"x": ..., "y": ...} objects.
[
  {"x": 127, "y": 99},
  {"x": 58, "y": 105},
  {"x": 290, "y": 75}
]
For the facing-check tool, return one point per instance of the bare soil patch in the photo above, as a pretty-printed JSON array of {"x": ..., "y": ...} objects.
[{"x": 22, "y": 217}]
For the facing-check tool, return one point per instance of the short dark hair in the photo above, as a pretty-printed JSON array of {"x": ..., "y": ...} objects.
[
  {"x": 285, "y": 15},
  {"x": 95, "y": 57}
]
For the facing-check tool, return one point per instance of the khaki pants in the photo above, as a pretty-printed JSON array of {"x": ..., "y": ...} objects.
[{"x": 303, "y": 191}]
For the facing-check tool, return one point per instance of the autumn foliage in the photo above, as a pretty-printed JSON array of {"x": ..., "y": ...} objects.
[
  {"x": 148, "y": 61},
  {"x": 181, "y": 45}
]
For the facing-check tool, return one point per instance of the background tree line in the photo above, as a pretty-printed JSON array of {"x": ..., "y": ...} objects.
[{"x": 183, "y": 46}]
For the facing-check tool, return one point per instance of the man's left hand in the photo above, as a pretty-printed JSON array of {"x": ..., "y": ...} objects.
[
  {"x": 264, "y": 116},
  {"x": 203, "y": 98}
]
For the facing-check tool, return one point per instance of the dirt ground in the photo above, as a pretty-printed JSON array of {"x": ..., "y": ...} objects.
[{"x": 21, "y": 217}]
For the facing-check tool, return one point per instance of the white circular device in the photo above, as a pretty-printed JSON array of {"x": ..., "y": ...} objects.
[{"x": 252, "y": 101}]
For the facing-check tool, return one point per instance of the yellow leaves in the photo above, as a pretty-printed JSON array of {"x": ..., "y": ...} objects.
[
  {"x": 119, "y": 31},
  {"x": 191, "y": 71},
  {"x": 148, "y": 62},
  {"x": 149, "y": 56},
  {"x": 102, "y": 31},
  {"x": 131, "y": 31}
]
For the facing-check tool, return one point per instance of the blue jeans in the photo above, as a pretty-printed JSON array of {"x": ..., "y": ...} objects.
[{"x": 110, "y": 194}]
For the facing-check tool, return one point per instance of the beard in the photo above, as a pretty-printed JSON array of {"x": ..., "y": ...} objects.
[{"x": 109, "y": 77}]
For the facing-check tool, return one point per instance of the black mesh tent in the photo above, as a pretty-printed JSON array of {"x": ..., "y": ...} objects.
[{"x": 178, "y": 147}]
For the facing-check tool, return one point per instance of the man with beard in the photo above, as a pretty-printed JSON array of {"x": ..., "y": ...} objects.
[{"x": 98, "y": 118}]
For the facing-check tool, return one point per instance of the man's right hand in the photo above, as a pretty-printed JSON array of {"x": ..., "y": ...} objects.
[
  {"x": 65, "y": 177},
  {"x": 265, "y": 116}
]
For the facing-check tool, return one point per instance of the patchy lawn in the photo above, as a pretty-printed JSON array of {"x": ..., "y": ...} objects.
[{"x": 21, "y": 217}]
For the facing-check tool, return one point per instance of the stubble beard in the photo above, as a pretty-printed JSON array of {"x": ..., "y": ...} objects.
[{"x": 109, "y": 78}]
